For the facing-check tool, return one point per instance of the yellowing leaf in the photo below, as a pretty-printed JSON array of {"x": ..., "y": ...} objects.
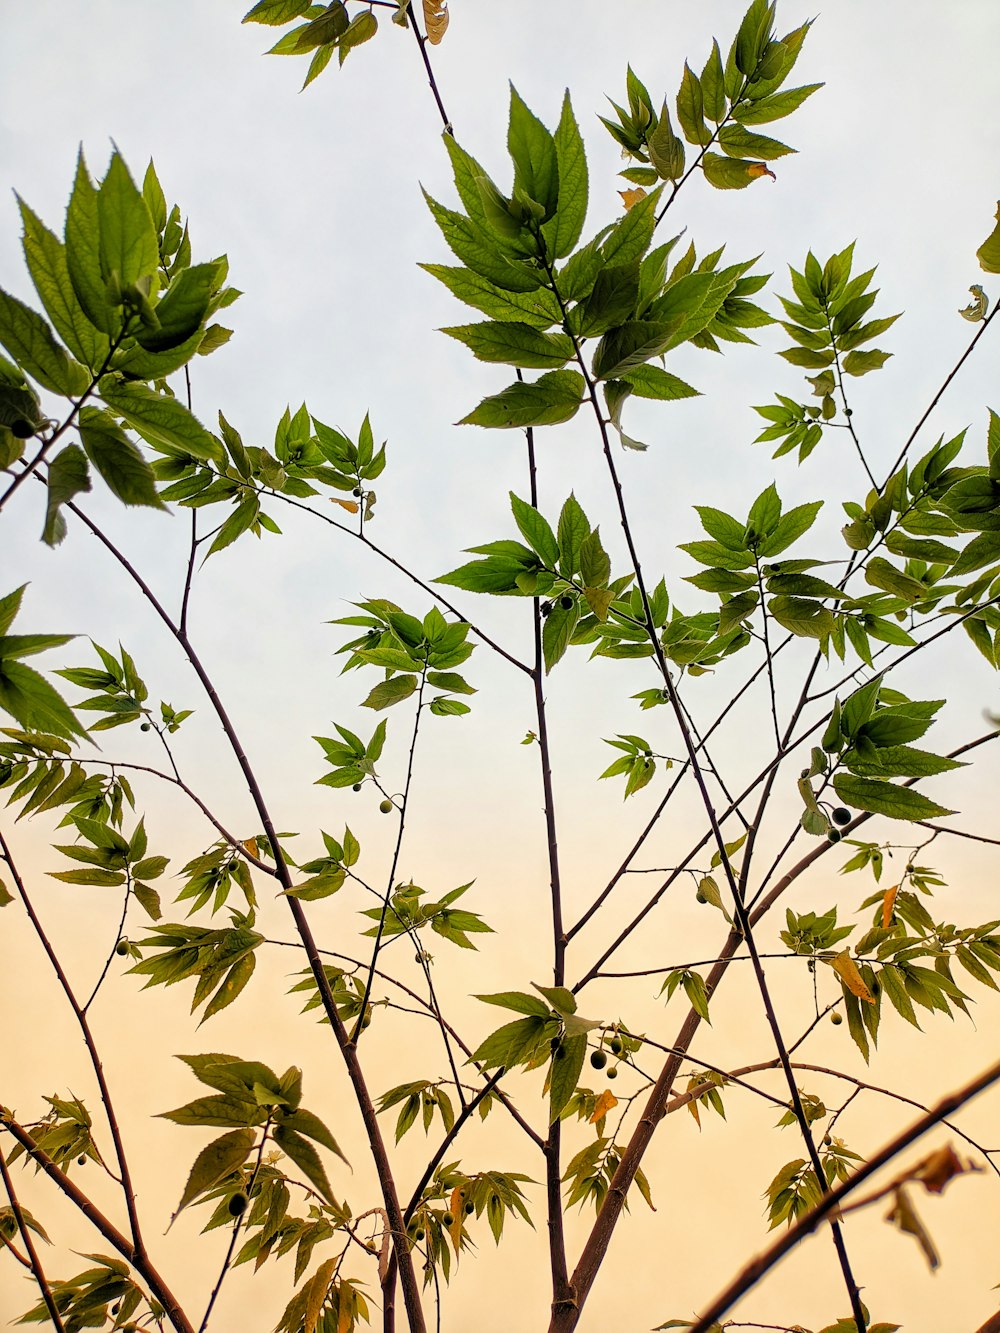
[
  {"x": 903, "y": 1215},
  {"x": 888, "y": 903},
  {"x": 605, "y": 1103},
  {"x": 976, "y": 309},
  {"x": 251, "y": 845},
  {"x": 599, "y": 599},
  {"x": 435, "y": 19},
  {"x": 345, "y": 1316},
  {"x": 847, "y": 969},
  {"x": 349, "y": 505},
  {"x": 757, "y": 169},
  {"x": 318, "y": 1286},
  {"x": 630, "y": 197},
  {"x": 988, "y": 253}
]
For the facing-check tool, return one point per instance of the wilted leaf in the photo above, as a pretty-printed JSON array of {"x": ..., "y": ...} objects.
[
  {"x": 976, "y": 309},
  {"x": 847, "y": 969},
  {"x": 903, "y": 1215},
  {"x": 435, "y": 20}
]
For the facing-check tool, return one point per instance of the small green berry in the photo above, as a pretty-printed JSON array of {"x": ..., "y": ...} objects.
[
  {"x": 699, "y": 897},
  {"x": 598, "y": 1059},
  {"x": 836, "y": 1018},
  {"x": 356, "y": 786},
  {"x": 833, "y": 835},
  {"x": 146, "y": 726},
  {"x": 909, "y": 869},
  {"x": 237, "y": 1205},
  {"x": 470, "y": 1208},
  {"x": 615, "y": 1046},
  {"x": 386, "y": 807},
  {"x": 81, "y": 1160},
  {"x": 357, "y": 492},
  {"x": 419, "y": 1233},
  {"x": 447, "y": 1220},
  {"x": 121, "y": 948},
  {"x": 841, "y": 816},
  {"x": 613, "y": 1072}
]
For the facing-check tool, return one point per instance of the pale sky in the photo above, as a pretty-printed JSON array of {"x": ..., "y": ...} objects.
[{"x": 315, "y": 199}]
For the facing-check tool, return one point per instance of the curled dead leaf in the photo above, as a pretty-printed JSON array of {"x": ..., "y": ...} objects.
[
  {"x": 976, "y": 309},
  {"x": 349, "y": 505},
  {"x": 847, "y": 969},
  {"x": 630, "y": 197},
  {"x": 757, "y": 169},
  {"x": 606, "y": 1102},
  {"x": 435, "y": 19},
  {"x": 943, "y": 1165},
  {"x": 888, "y": 903}
]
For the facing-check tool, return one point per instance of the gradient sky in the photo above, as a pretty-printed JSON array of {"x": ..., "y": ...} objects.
[{"x": 315, "y": 199}]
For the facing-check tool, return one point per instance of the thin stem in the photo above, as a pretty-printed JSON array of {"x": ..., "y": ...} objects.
[
  {"x": 348, "y": 1048},
  {"x": 422, "y": 46},
  {"x": 237, "y": 1223},
  {"x": 391, "y": 878},
  {"x": 138, "y": 1244},
  {"x": 32, "y": 1253},
  {"x": 131, "y": 1253},
  {"x": 755, "y": 1270}
]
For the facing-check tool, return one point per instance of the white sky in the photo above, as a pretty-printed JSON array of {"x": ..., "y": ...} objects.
[{"x": 315, "y": 199}]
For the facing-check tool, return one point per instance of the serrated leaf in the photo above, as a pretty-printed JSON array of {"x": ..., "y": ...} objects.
[{"x": 219, "y": 1159}]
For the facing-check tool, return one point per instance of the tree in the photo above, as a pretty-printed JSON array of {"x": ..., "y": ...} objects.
[{"x": 808, "y": 629}]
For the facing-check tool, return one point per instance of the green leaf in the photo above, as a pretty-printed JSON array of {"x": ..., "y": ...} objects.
[
  {"x": 631, "y": 344},
  {"x": 519, "y": 1001},
  {"x": 128, "y": 242},
  {"x": 162, "y": 421},
  {"x": 182, "y": 309},
  {"x": 567, "y": 1064},
  {"x": 535, "y": 530},
  {"x": 551, "y": 399},
  {"x": 236, "y": 979},
  {"x": 68, "y": 476},
  {"x": 691, "y": 109},
  {"x": 83, "y": 253},
  {"x": 653, "y": 382},
  {"x": 514, "y": 344},
  {"x": 275, "y": 12},
  {"x": 305, "y": 1123},
  {"x": 732, "y": 173},
  {"x": 538, "y": 308},
  {"x": 736, "y": 141},
  {"x": 860, "y": 363},
  {"x": 790, "y": 528},
  {"x": 988, "y": 253},
  {"x": 557, "y": 632},
  {"x": 666, "y": 151},
  {"x": 391, "y": 691},
  {"x": 775, "y": 107},
  {"x": 225, "y": 1109},
  {"x": 306, "y": 1158},
  {"x": 119, "y": 462},
  {"x": 563, "y": 230},
  {"x": 46, "y": 258},
  {"x": 533, "y": 152},
  {"x": 219, "y": 1159},
  {"x": 30, "y": 341},
  {"x": 885, "y": 798}
]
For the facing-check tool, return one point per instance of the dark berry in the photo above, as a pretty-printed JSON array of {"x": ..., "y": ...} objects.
[
  {"x": 81, "y": 1160},
  {"x": 841, "y": 816},
  {"x": 22, "y": 429},
  {"x": 613, "y": 1072},
  {"x": 237, "y": 1205},
  {"x": 356, "y": 786},
  {"x": 598, "y": 1059},
  {"x": 615, "y": 1046},
  {"x": 447, "y": 1220},
  {"x": 146, "y": 726},
  {"x": 419, "y": 1233},
  {"x": 121, "y": 948},
  {"x": 836, "y": 1018},
  {"x": 566, "y": 603},
  {"x": 833, "y": 835},
  {"x": 358, "y": 492},
  {"x": 470, "y": 1208}
]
